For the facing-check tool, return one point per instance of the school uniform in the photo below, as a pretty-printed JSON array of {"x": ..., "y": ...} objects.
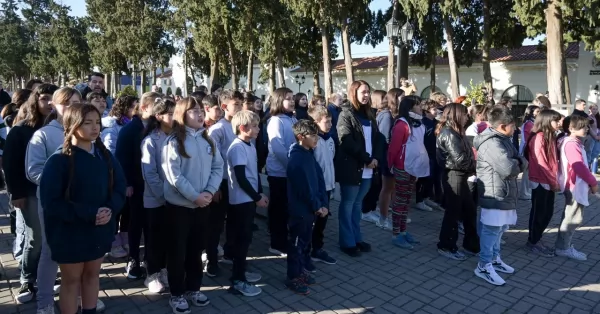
[
  {"x": 222, "y": 134},
  {"x": 306, "y": 195},
  {"x": 71, "y": 230},
  {"x": 245, "y": 188},
  {"x": 324, "y": 154},
  {"x": 185, "y": 180}
]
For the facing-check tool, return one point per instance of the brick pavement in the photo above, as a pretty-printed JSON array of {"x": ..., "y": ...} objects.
[{"x": 388, "y": 280}]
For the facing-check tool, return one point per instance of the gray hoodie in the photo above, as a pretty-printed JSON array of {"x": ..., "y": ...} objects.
[
  {"x": 110, "y": 133},
  {"x": 222, "y": 134},
  {"x": 186, "y": 178},
  {"x": 324, "y": 153},
  {"x": 154, "y": 177},
  {"x": 281, "y": 138},
  {"x": 42, "y": 145}
]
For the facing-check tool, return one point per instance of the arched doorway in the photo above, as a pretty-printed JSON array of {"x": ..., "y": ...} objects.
[
  {"x": 427, "y": 91},
  {"x": 521, "y": 98}
]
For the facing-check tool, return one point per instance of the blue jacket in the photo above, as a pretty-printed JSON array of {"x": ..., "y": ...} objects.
[
  {"x": 305, "y": 184},
  {"x": 335, "y": 114},
  {"x": 71, "y": 230},
  {"x": 129, "y": 153}
]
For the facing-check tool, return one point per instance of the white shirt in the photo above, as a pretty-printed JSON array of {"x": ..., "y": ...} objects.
[
  {"x": 367, "y": 130},
  {"x": 498, "y": 217}
]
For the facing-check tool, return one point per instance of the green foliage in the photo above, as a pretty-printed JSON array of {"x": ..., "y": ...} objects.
[
  {"x": 127, "y": 91},
  {"x": 476, "y": 92},
  {"x": 169, "y": 91},
  {"x": 14, "y": 40},
  {"x": 178, "y": 92},
  {"x": 160, "y": 90}
]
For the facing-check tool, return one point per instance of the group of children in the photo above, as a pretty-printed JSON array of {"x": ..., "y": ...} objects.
[{"x": 157, "y": 169}]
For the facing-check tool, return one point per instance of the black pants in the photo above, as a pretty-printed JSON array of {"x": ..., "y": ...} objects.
[
  {"x": 186, "y": 230},
  {"x": 240, "y": 221},
  {"x": 278, "y": 213},
  {"x": 458, "y": 202},
  {"x": 218, "y": 212},
  {"x": 474, "y": 192},
  {"x": 318, "y": 232},
  {"x": 123, "y": 218},
  {"x": 436, "y": 178},
  {"x": 424, "y": 188},
  {"x": 156, "y": 254},
  {"x": 372, "y": 197},
  {"x": 138, "y": 223},
  {"x": 542, "y": 209},
  {"x": 299, "y": 245}
]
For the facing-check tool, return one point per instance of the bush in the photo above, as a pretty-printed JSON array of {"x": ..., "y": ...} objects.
[
  {"x": 127, "y": 91},
  {"x": 160, "y": 90},
  {"x": 169, "y": 91},
  {"x": 477, "y": 92},
  {"x": 178, "y": 91}
]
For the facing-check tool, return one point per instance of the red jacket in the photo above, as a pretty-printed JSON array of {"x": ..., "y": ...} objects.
[
  {"x": 542, "y": 168},
  {"x": 400, "y": 134}
]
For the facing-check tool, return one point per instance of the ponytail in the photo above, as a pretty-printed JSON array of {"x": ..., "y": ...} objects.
[
  {"x": 209, "y": 140},
  {"x": 106, "y": 154},
  {"x": 68, "y": 150},
  {"x": 152, "y": 125}
]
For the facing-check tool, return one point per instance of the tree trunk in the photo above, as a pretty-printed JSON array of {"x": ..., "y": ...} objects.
[
  {"x": 143, "y": 82},
  {"x": 250, "y": 70},
  {"x": 451, "y": 60},
  {"x": 486, "y": 41},
  {"x": 232, "y": 57},
  {"x": 133, "y": 78},
  {"x": 554, "y": 42},
  {"x": 316, "y": 83},
  {"x": 347, "y": 54},
  {"x": 279, "y": 63},
  {"x": 326, "y": 58},
  {"x": 272, "y": 81},
  {"x": 214, "y": 70},
  {"x": 567, "y": 97},
  {"x": 107, "y": 83},
  {"x": 432, "y": 75},
  {"x": 390, "y": 66},
  {"x": 153, "y": 75}
]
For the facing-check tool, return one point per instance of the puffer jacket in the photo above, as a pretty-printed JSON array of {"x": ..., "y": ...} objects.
[
  {"x": 498, "y": 165},
  {"x": 454, "y": 152},
  {"x": 110, "y": 132}
]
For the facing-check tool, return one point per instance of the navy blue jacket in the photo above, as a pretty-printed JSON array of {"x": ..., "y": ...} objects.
[
  {"x": 71, "y": 230},
  {"x": 335, "y": 114},
  {"x": 305, "y": 184},
  {"x": 430, "y": 138},
  {"x": 129, "y": 153}
]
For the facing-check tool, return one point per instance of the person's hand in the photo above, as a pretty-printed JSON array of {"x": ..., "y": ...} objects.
[
  {"x": 19, "y": 203},
  {"x": 217, "y": 197},
  {"x": 594, "y": 189},
  {"x": 322, "y": 212},
  {"x": 103, "y": 216},
  {"x": 263, "y": 202},
  {"x": 203, "y": 199},
  {"x": 129, "y": 191}
]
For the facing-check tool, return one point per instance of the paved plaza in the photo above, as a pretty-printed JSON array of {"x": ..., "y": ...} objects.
[{"x": 388, "y": 280}]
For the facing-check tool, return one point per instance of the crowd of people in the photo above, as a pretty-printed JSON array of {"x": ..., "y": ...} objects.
[{"x": 87, "y": 179}]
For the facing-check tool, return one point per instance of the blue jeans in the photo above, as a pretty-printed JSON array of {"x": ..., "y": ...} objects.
[
  {"x": 350, "y": 212},
  {"x": 33, "y": 241},
  {"x": 489, "y": 242},
  {"x": 19, "y": 236},
  {"x": 593, "y": 157},
  {"x": 47, "y": 269}
]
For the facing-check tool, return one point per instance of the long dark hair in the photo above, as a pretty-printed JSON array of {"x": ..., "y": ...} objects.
[
  {"x": 121, "y": 107},
  {"x": 455, "y": 117},
  {"x": 73, "y": 119},
  {"x": 392, "y": 101},
  {"x": 18, "y": 99},
  {"x": 353, "y": 98},
  {"x": 29, "y": 111},
  {"x": 178, "y": 130},
  {"x": 161, "y": 106},
  {"x": 543, "y": 124},
  {"x": 528, "y": 115}
]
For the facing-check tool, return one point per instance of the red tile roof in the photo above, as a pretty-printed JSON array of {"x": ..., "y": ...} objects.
[{"x": 524, "y": 53}]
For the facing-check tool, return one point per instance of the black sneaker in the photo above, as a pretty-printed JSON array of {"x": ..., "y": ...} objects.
[
  {"x": 213, "y": 270},
  {"x": 322, "y": 256},
  {"x": 26, "y": 293},
  {"x": 254, "y": 227},
  {"x": 134, "y": 271},
  {"x": 364, "y": 247},
  {"x": 351, "y": 251},
  {"x": 307, "y": 278},
  {"x": 310, "y": 267},
  {"x": 297, "y": 286}
]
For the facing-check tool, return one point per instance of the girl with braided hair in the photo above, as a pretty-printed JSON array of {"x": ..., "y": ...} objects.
[{"x": 81, "y": 190}]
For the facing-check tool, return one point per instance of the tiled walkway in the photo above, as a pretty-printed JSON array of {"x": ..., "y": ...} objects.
[{"x": 388, "y": 280}]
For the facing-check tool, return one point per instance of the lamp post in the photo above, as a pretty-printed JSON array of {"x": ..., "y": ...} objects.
[
  {"x": 401, "y": 37},
  {"x": 300, "y": 81}
]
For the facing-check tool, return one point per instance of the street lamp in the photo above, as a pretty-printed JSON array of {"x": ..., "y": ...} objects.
[
  {"x": 300, "y": 81},
  {"x": 401, "y": 37}
]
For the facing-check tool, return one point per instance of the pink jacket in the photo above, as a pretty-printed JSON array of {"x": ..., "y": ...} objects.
[{"x": 576, "y": 167}]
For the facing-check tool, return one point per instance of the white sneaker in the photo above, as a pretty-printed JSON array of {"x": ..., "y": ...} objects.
[
  {"x": 164, "y": 277},
  {"x": 220, "y": 251},
  {"x": 488, "y": 274},
  {"x": 370, "y": 217},
  {"x": 118, "y": 252},
  {"x": 154, "y": 284},
  {"x": 408, "y": 220},
  {"x": 422, "y": 206},
  {"x": 432, "y": 204},
  {"x": 252, "y": 277},
  {"x": 502, "y": 267},
  {"x": 49, "y": 309},
  {"x": 57, "y": 286},
  {"x": 572, "y": 253},
  {"x": 204, "y": 258},
  {"x": 197, "y": 298},
  {"x": 179, "y": 305},
  {"x": 276, "y": 252},
  {"x": 100, "y": 307},
  {"x": 385, "y": 225}
]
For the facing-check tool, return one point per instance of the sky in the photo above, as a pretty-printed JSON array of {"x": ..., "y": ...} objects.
[{"x": 358, "y": 51}]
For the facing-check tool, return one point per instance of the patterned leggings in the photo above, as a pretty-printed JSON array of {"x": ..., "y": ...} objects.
[{"x": 404, "y": 184}]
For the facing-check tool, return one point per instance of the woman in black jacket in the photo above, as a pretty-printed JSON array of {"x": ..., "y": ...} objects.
[
  {"x": 455, "y": 156},
  {"x": 355, "y": 165}
]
